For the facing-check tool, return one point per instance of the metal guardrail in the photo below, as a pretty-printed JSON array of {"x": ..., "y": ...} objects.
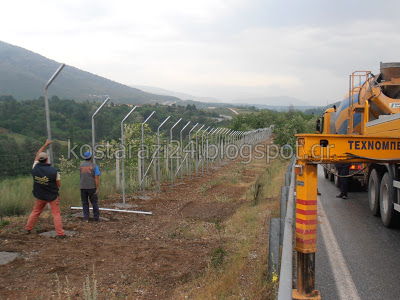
[{"x": 281, "y": 234}]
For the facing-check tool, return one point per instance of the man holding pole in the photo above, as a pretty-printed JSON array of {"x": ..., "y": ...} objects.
[
  {"x": 46, "y": 182},
  {"x": 89, "y": 185}
]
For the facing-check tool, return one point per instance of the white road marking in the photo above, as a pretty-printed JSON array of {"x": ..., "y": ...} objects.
[{"x": 344, "y": 282}]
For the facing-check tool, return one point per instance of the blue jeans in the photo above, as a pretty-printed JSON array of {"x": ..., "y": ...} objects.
[{"x": 91, "y": 195}]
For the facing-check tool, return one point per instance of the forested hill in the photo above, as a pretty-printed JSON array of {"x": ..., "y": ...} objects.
[
  {"x": 72, "y": 120},
  {"x": 24, "y": 75}
]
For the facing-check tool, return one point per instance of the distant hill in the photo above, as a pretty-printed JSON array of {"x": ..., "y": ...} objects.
[
  {"x": 318, "y": 111},
  {"x": 183, "y": 96},
  {"x": 24, "y": 75},
  {"x": 271, "y": 101}
]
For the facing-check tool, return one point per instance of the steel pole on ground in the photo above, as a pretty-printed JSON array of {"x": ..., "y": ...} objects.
[
  {"x": 196, "y": 151},
  {"x": 123, "y": 154},
  {"x": 46, "y": 105},
  {"x": 172, "y": 150},
  {"x": 190, "y": 153},
  {"x": 143, "y": 157},
  {"x": 202, "y": 150},
  {"x": 158, "y": 152},
  {"x": 94, "y": 131}
]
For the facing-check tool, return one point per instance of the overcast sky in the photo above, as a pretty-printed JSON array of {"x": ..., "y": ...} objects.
[{"x": 224, "y": 49}]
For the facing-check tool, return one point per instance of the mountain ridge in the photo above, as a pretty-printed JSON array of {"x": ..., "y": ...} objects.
[{"x": 25, "y": 73}]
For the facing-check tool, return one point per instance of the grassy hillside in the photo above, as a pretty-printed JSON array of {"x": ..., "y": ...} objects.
[{"x": 24, "y": 75}]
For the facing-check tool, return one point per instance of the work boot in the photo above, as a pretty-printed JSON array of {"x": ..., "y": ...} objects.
[
  {"x": 339, "y": 196},
  {"x": 344, "y": 197}
]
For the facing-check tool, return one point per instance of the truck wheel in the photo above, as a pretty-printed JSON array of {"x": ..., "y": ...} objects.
[
  {"x": 386, "y": 200},
  {"x": 374, "y": 183}
]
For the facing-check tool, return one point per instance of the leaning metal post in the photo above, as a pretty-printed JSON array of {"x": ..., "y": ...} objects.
[
  {"x": 143, "y": 156},
  {"x": 197, "y": 150},
  {"x": 172, "y": 151},
  {"x": 190, "y": 153},
  {"x": 158, "y": 152},
  {"x": 93, "y": 129},
  {"x": 182, "y": 149},
  {"x": 46, "y": 104},
  {"x": 123, "y": 154}
]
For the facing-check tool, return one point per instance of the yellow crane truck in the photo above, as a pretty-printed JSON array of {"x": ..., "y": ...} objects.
[{"x": 371, "y": 108}]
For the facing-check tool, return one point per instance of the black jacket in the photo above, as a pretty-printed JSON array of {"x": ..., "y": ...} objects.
[{"x": 44, "y": 182}]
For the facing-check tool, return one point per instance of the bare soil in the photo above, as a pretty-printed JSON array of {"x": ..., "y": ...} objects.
[{"x": 130, "y": 256}]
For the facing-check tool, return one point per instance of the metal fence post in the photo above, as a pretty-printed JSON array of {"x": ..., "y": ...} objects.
[
  {"x": 197, "y": 151},
  {"x": 215, "y": 133},
  {"x": 207, "y": 150},
  {"x": 190, "y": 153},
  {"x": 46, "y": 104},
  {"x": 158, "y": 152},
  {"x": 202, "y": 149},
  {"x": 93, "y": 129},
  {"x": 123, "y": 153},
  {"x": 172, "y": 151},
  {"x": 143, "y": 157},
  {"x": 181, "y": 166}
]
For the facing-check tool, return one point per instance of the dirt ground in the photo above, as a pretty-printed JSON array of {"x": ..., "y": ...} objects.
[{"x": 130, "y": 255}]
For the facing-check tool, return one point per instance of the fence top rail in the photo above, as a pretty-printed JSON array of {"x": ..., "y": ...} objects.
[
  {"x": 180, "y": 119},
  {"x": 163, "y": 122}
]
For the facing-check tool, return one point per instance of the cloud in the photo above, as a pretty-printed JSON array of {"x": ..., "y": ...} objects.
[{"x": 235, "y": 49}]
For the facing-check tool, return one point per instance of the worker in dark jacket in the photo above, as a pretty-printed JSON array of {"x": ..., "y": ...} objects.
[
  {"x": 46, "y": 182},
  {"x": 318, "y": 126},
  {"x": 343, "y": 170},
  {"x": 89, "y": 185}
]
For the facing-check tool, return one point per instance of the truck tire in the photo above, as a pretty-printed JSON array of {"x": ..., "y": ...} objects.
[
  {"x": 386, "y": 196},
  {"x": 374, "y": 184}
]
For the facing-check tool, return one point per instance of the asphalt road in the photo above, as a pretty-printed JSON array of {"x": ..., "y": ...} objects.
[{"x": 357, "y": 257}]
